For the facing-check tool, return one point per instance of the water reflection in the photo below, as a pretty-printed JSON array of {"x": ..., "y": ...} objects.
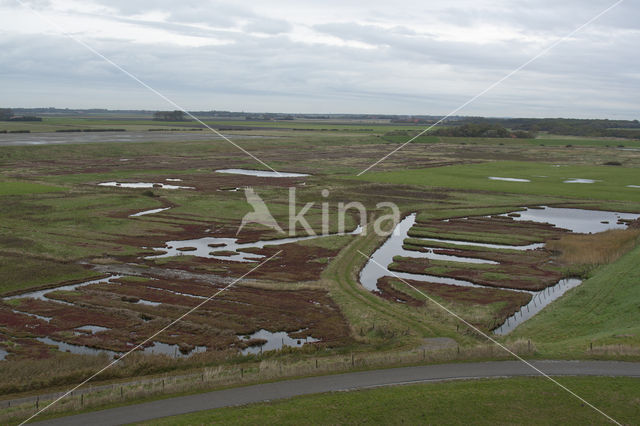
[
  {"x": 261, "y": 173},
  {"x": 274, "y": 341}
]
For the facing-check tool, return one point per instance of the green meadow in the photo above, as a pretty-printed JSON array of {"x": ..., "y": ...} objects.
[
  {"x": 23, "y": 188},
  {"x": 545, "y": 179}
]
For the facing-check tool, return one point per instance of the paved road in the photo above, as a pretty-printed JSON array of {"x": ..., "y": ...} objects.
[{"x": 340, "y": 382}]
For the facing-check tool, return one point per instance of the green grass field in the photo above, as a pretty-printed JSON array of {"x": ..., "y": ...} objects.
[
  {"x": 545, "y": 179},
  {"x": 23, "y": 188},
  {"x": 532, "y": 401}
]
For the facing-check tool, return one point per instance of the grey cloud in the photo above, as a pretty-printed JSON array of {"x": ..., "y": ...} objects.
[
  {"x": 407, "y": 71},
  {"x": 214, "y": 13},
  {"x": 268, "y": 26}
]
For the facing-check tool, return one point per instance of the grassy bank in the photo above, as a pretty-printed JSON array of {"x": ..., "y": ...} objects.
[{"x": 602, "y": 312}]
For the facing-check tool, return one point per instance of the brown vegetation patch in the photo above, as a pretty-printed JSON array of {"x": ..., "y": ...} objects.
[
  {"x": 471, "y": 228},
  {"x": 531, "y": 277},
  {"x": 239, "y": 311},
  {"x": 294, "y": 264},
  {"x": 504, "y": 302},
  {"x": 504, "y": 257},
  {"x": 595, "y": 249}
]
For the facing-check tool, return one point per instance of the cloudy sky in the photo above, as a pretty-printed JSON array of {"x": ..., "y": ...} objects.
[{"x": 330, "y": 56}]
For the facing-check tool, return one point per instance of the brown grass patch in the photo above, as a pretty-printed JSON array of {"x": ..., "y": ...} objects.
[{"x": 595, "y": 249}]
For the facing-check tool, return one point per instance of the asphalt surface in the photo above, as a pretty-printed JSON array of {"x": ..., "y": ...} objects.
[{"x": 342, "y": 382}]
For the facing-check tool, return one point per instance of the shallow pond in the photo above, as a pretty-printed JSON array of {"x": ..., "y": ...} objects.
[
  {"x": 261, "y": 173},
  {"x": 148, "y": 302},
  {"x": 576, "y": 220},
  {"x": 207, "y": 247},
  {"x": 76, "y": 349},
  {"x": 92, "y": 328},
  {"x": 144, "y": 185},
  {"x": 508, "y": 179},
  {"x": 159, "y": 348},
  {"x": 579, "y": 180},
  {"x": 275, "y": 341},
  {"x": 146, "y": 212}
]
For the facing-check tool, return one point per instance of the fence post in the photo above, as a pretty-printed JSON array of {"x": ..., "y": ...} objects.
[{"x": 352, "y": 360}]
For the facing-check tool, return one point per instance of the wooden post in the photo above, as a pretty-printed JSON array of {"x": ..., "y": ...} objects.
[
  {"x": 37, "y": 402},
  {"x": 316, "y": 362},
  {"x": 162, "y": 385},
  {"x": 121, "y": 393},
  {"x": 82, "y": 400},
  {"x": 529, "y": 345},
  {"x": 241, "y": 372},
  {"x": 352, "y": 360}
]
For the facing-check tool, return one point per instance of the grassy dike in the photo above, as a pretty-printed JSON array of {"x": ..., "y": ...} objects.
[{"x": 599, "y": 317}]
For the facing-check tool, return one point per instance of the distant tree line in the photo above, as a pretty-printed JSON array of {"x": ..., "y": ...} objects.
[
  {"x": 169, "y": 116},
  {"x": 481, "y": 130},
  {"x": 6, "y": 114},
  {"x": 564, "y": 126}
]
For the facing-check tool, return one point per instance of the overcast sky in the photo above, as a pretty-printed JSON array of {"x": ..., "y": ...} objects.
[{"x": 395, "y": 57}]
